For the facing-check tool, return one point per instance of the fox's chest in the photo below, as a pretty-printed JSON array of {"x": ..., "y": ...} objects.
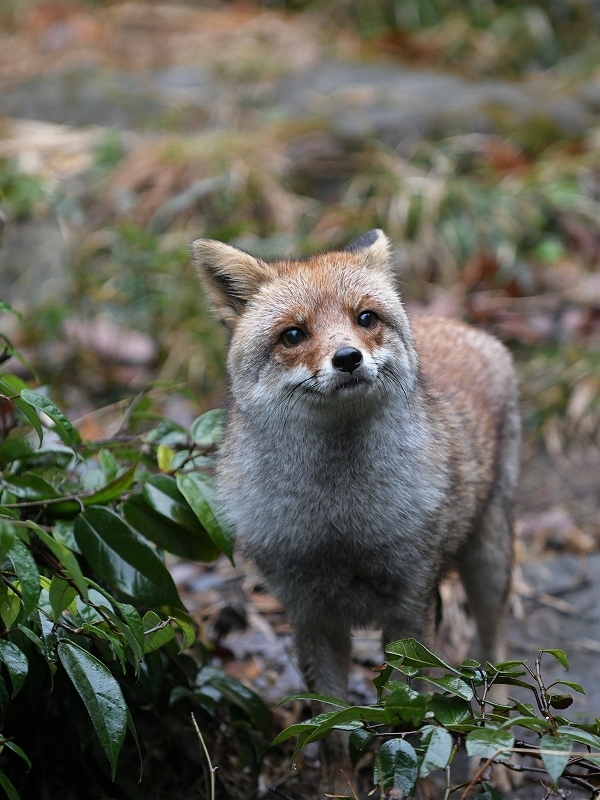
[{"x": 348, "y": 498}]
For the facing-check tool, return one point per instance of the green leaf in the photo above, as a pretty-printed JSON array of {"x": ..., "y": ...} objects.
[
  {"x": 31, "y": 487},
  {"x": 63, "y": 427},
  {"x": 579, "y": 735},
  {"x": 163, "y": 496},
  {"x": 414, "y": 654},
  {"x": 299, "y": 729},
  {"x": 122, "y": 559},
  {"x": 449, "y": 711},
  {"x": 109, "y": 464},
  {"x": 187, "y": 631},
  {"x": 555, "y": 764},
  {"x": 406, "y": 704},
  {"x": 16, "y": 749},
  {"x": 323, "y": 698},
  {"x": 485, "y": 742},
  {"x": 102, "y": 697},
  {"x": 396, "y": 766},
  {"x": 169, "y": 536},
  {"x": 27, "y": 573},
  {"x": 207, "y": 429},
  {"x": 8, "y": 388},
  {"x": 102, "y": 496},
  {"x": 63, "y": 532},
  {"x": 66, "y": 558},
  {"x": 61, "y": 595},
  {"x": 16, "y": 664},
  {"x": 198, "y": 491},
  {"x": 347, "y": 719},
  {"x": 506, "y": 666},
  {"x": 7, "y": 537},
  {"x": 135, "y": 647},
  {"x": 575, "y": 686},
  {"x": 164, "y": 457},
  {"x": 452, "y": 684},
  {"x": 133, "y": 621},
  {"x": 10, "y": 605},
  {"x": 439, "y": 749},
  {"x": 157, "y": 632},
  {"x": 240, "y": 695},
  {"x": 10, "y": 790},
  {"x": 358, "y": 742},
  {"x": 531, "y": 723},
  {"x": 560, "y": 656}
]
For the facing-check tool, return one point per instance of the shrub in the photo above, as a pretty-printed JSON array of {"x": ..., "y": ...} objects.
[
  {"x": 99, "y": 656},
  {"x": 421, "y": 732}
]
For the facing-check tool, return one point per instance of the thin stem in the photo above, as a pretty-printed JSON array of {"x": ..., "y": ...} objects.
[{"x": 211, "y": 769}]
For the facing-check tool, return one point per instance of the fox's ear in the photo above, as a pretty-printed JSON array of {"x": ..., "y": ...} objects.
[
  {"x": 374, "y": 247},
  {"x": 230, "y": 277}
]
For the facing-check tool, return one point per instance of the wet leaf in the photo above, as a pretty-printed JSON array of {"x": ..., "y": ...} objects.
[
  {"x": 163, "y": 496},
  {"x": 61, "y": 595},
  {"x": 396, "y": 766},
  {"x": 27, "y": 573},
  {"x": 62, "y": 425},
  {"x": 66, "y": 558},
  {"x": 10, "y": 605},
  {"x": 102, "y": 697},
  {"x": 16, "y": 664},
  {"x": 199, "y": 493},
  {"x": 405, "y": 704},
  {"x": 452, "y": 684},
  {"x": 449, "y": 711},
  {"x": 169, "y": 536},
  {"x": 122, "y": 559}
]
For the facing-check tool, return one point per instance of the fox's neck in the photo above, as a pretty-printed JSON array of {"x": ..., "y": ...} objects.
[{"x": 342, "y": 425}]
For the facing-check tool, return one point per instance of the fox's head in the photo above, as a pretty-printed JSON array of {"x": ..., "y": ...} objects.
[{"x": 324, "y": 331}]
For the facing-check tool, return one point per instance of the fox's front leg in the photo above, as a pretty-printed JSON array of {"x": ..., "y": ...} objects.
[{"x": 324, "y": 651}]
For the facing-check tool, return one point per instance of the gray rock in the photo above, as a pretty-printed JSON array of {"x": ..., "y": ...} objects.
[
  {"x": 395, "y": 103},
  {"x": 576, "y": 631},
  {"x": 88, "y": 96}
]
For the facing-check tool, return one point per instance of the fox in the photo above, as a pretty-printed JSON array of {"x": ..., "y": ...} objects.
[{"x": 364, "y": 454}]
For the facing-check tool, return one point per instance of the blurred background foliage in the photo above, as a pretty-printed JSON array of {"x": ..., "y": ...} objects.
[{"x": 495, "y": 218}]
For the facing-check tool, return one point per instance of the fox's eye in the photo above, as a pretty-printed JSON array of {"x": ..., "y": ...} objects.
[
  {"x": 292, "y": 336},
  {"x": 368, "y": 319}
]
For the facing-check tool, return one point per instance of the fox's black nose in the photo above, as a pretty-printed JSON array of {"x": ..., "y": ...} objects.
[{"x": 347, "y": 359}]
